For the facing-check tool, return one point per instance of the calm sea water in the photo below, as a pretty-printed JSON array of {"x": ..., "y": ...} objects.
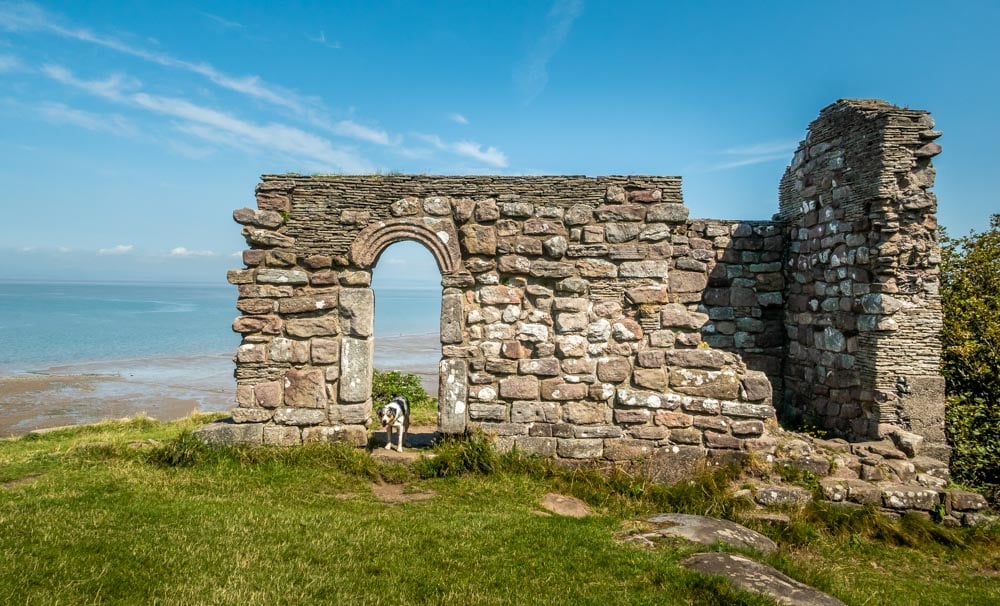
[{"x": 43, "y": 325}]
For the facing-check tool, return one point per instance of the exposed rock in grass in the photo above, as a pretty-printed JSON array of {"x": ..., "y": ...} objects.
[
  {"x": 702, "y": 530},
  {"x": 565, "y": 506},
  {"x": 759, "y": 578},
  {"x": 395, "y": 494}
]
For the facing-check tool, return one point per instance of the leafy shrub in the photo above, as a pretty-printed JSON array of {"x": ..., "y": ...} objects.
[
  {"x": 970, "y": 294},
  {"x": 386, "y": 385}
]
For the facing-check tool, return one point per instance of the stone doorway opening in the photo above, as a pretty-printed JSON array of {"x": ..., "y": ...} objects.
[{"x": 406, "y": 284}]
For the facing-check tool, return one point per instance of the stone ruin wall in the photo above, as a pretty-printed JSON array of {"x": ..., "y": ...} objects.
[
  {"x": 590, "y": 318},
  {"x": 572, "y": 317},
  {"x": 864, "y": 311}
]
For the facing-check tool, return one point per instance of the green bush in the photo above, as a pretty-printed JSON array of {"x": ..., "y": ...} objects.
[
  {"x": 386, "y": 385},
  {"x": 970, "y": 296}
]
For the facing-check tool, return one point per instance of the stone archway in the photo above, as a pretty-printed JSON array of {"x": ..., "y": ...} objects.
[{"x": 439, "y": 236}]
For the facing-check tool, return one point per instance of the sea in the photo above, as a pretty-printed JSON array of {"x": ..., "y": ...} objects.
[{"x": 171, "y": 342}]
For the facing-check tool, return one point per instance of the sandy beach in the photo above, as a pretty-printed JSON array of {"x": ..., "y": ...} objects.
[{"x": 164, "y": 388}]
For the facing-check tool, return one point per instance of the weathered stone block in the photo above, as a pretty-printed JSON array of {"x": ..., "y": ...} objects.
[
  {"x": 535, "y": 412},
  {"x": 282, "y": 276},
  {"x": 677, "y": 316},
  {"x": 673, "y": 419},
  {"x": 721, "y": 385},
  {"x": 536, "y": 446},
  {"x": 596, "y": 268},
  {"x": 269, "y": 394},
  {"x": 580, "y": 448},
  {"x": 643, "y": 269},
  {"x": 499, "y": 295},
  {"x": 688, "y": 281},
  {"x": 571, "y": 346},
  {"x": 479, "y": 239},
  {"x": 613, "y": 370},
  {"x": 650, "y": 378},
  {"x": 288, "y": 350},
  {"x": 299, "y": 416},
  {"x": 325, "y": 351},
  {"x": 350, "y": 414},
  {"x": 667, "y": 213},
  {"x": 556, "y": 389},
  {"x": 231, "y": 434},
  {"x": 909, "y": 497},
  {"x": 453, "y": 395},
  {"x": 519, "y": 388},
  {"x": 452, "y": 313},
  {"x": 630, "y": 415},
  {"x": 355, "y": 435},
  {"x": 697, "y": 358},
  {"x": 251, "y": 415},
  {"x": 634, "y": 398},
  {"x": 487, "y": 412},
  {"x": 648, "y": 294},
  {"x": 305, "y": 388},
  {"x": 357, "y": 311},
  {"x": 545, "y": 367},
  {"x": 620, "y": 212},
  {"x": 598, "y": 431},
  {"x": 323, "y": 325},
  {"x": 356, "y": 369},
  {"x": 586, "y": 413},
  {"x": 745, "y": 409}
]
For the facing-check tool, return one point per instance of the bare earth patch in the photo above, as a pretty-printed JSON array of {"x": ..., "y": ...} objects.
[
  {"x": 21, "y": 481},
  {"x": 566, "y": 506},
  {"x": 395, "y": 494}
]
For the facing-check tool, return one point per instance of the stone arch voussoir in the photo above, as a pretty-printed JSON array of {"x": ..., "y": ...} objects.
[{"x": 437, "y": 235}]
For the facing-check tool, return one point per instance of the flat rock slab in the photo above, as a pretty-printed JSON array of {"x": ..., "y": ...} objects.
[
  {"x": 395, "y": 494},
  {"x": 702, "y": 530},
  {"x": 755, "y": 577},
  {"x": 565, "y": 506}
]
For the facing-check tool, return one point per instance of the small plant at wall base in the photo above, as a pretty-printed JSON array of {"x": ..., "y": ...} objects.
[
  {"x": 386, "y": 385},
  {"x": 970, "y": 297}
]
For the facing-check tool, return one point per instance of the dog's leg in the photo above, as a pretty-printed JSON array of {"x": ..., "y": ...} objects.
[
  {"x": 402, "y": 430},
  {"x": 388, "y": 437}
]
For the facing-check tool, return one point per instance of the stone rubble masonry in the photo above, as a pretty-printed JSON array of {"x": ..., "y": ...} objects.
[
  {"x": 591, "y": 318},
  {"x": 863, "y": 311}
]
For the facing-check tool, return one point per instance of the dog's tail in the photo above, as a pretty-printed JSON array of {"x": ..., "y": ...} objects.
[{"x": 404, "y": 404}]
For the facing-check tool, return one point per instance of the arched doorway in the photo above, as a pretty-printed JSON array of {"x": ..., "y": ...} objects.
[{"x": 406, "y": 284}]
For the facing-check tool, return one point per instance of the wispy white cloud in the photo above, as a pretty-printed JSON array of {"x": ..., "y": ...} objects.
[
  {"x": 113, "y": 87},
  {"x": 219, "y": 127},
  {"x": 9, "y": 63},
  {"x": 532, "y": 74},
  {"x": 756, "y": 153},
  {"x": 180, "y": 251},
  {"x": 226, "y": 23},
  {"x": 31, "y": 17},
  {"x": 458, "y": 118},
  {"x": 322, "y": 41},
  {"x": 469, "y": 149},
  {"x": 354, "y": 130},
  {"x": 58, "y": 113},
  {"x": 120, "y": 249}
]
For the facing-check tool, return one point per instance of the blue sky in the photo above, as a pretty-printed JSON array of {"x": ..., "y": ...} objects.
[{"x": 130, "y": 131}]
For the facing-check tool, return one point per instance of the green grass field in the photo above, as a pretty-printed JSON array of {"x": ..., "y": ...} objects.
[{"x": 98, "y": 515}]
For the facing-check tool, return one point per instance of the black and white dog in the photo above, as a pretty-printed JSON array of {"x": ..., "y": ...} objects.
[{"x": 395, "y": 414}]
